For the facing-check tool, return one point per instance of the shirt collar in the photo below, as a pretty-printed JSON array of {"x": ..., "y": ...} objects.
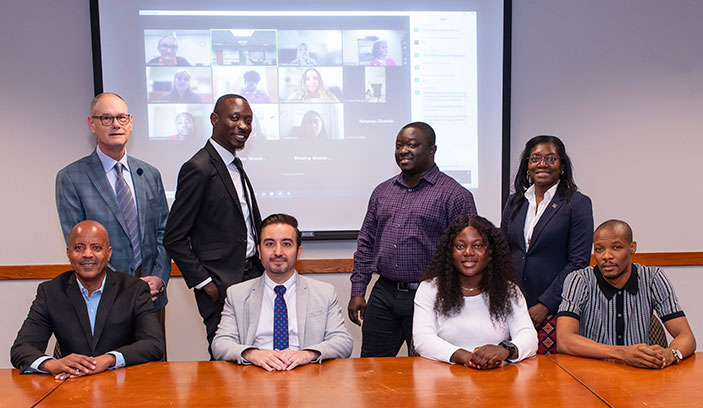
[
  {"x": 609, "y": 290},
  {"x": 432, "y": 176},
  {"x": 225, "y": 154},
  {"x": 108, "y": 162},
  {"x": 548, "y": 195},
  {"x": 84, "y": 291},
  {"x": 289, "y": 284}
]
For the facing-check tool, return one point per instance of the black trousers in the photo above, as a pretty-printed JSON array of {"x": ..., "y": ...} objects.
[
  {"x": 211, "y": 312},
  {"x": 388, "y": 320}
]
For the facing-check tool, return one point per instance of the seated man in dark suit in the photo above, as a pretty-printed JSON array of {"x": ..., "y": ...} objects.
[
  {"x": 606, "y": 309},
  {"x": 101, "y": 319},
  {"x": 281, "y": 320}
]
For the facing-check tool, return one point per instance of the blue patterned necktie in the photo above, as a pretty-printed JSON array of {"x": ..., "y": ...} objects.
[
  {"x": 129, "y": 211},
  {"x": 280, "y": 320}
]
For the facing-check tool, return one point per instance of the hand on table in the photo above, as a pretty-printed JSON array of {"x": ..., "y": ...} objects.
[
  {"x": 488, "y": 357},
  {"x": 645, "y": 356},
  {"x": 483, "y": 358},
  {"x": 298, "y": 357},
  {"x": 279, "y": 360},
  {"x": 77, "y": 365}
]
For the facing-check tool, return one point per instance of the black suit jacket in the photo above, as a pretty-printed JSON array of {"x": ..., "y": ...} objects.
[
  {"x": 125, "y": 321},
  {"x": 206, "y": 235}
]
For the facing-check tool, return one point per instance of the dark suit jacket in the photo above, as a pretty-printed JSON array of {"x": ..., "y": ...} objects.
[
  {"x": 84, "y": 193},
  {"x": 206, "y": 234},
  {"x": 125, "y": 321},
  {"x": 561, "y": 243}
]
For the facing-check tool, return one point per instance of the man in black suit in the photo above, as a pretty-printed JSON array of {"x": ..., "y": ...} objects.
[
  {"x": 213, "y": 224},
  {"x": 101, "y": 319}
]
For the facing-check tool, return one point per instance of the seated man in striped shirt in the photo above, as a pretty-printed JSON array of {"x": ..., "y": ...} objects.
[{"x": 606, "y": 309}]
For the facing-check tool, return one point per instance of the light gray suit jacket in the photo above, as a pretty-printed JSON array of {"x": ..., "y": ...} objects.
[{"x": 320, "y": 320}]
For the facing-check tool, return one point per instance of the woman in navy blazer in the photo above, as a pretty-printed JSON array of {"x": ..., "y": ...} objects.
[{"x": 549, "y": 227}]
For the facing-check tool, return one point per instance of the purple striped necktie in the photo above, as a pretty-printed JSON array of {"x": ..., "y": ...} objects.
[{"x": 129, "y": 211}]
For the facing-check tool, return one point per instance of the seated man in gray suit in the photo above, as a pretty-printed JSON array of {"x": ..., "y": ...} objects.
[
  {"x": 101, "y": 319},
  {"x": 281, "y": 320}
]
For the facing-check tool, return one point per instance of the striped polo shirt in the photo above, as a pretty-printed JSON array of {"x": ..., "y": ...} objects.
[{"x": 609, "y": 315}]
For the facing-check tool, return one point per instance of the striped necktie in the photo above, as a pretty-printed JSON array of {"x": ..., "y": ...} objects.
[
  {"x": 280, "y": 319},
  {"x": 129, "y": 211}
]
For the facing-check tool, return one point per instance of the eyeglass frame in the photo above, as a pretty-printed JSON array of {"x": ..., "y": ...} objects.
[
  {"x": 112, "y": 118},
  {"x": 547, "y": 158}
]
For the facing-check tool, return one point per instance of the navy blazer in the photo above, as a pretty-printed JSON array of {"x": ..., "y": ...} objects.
[
  {"x": 561, "y": 243},
  {"x": 125, "y": 321},
  {"x": 84, "y": 193}
]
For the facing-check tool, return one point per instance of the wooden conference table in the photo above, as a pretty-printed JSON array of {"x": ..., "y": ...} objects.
[
  {"x": 624, "y": 386},
  {"x": 368, "y": 382}
]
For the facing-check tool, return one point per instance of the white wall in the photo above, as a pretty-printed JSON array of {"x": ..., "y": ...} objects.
[
  {"x": 620, "y": 81},
  {"x": 47, "y": 84}
]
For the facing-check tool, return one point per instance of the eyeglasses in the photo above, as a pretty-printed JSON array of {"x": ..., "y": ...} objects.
[
  {"x": 549, "y": 159},
  {"x": 169, "y": 47},
  {"x": 107, "y": 120}
]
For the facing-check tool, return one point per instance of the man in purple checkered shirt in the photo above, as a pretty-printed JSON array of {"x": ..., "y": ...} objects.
[{"x": 403, "y": 223}]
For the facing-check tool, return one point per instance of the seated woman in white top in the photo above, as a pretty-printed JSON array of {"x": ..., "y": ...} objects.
[{"x": 469, "y": 309}]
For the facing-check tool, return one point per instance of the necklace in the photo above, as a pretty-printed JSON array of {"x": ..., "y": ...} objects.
[{"x": 469, "y": 289}]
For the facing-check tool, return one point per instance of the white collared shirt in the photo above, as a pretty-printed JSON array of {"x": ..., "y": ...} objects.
[
  {"x": 534, "y": 211},
  {"x": 228, "y": 158},
  {"x": 264, "y": 331},
  {"x": 111, "y": 173}
]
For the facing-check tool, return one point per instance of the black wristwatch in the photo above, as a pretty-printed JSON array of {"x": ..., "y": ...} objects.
[{"x": 512, "y": 349}]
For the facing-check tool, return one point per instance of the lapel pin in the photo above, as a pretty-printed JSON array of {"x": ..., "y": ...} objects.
[{"x": 554, "y": 205}]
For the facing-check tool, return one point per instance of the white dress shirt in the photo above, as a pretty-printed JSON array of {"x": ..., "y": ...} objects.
[
  {"x": 264, "y": 331},
  {"x": 228, "y": 159},
  {"x": 534, "y": 211}
]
